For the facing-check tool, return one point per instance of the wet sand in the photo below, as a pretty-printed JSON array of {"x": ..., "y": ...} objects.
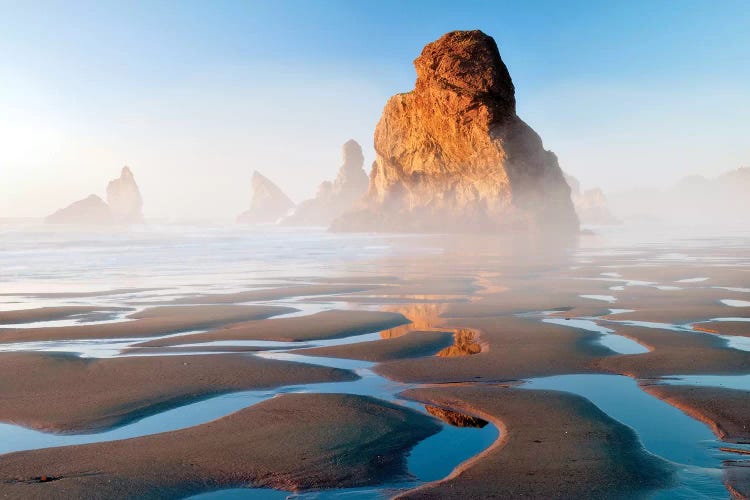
[
  {"x": 726, "y": 411},
  {"x": 412, "y": 345},
  {"x": 737, "y": 478},
  {"x": 679, "y": 307},
  {"x": 516, "y": 348},
  {"x": 552, "y": 445},
  {"x": 323, "y": 325},
  {"x": 50, "y": 313},
  {"x": 675, "y": 353},
  {"x": 149, "y": 323},
  {"x": 513, "y": 302},
  {"x": 64, "y": 393},
  {"x": 169, "y": 350},
  {"x": 284, "y": 292},
  {"x": 736, "y": 328},
  {"x": 79, "y": 295},
  {"x": 457, "y": 285},
  {"x": 671, "y": 273},
  {"x": 292, "y": 442},
  {"x": 679, "y": 314}
]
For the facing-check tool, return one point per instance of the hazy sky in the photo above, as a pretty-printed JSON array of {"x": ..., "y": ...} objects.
[{"x": 195, "y": 95}]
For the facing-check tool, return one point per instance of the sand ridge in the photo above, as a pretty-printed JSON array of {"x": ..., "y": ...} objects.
[
  {"x": 291, "y": 442},
  {"x": 552, "y": 445},
  {"x": 150, "y": 322},
  {"x": 64, "y": 393},
  {"x": 328, "y": 324}
]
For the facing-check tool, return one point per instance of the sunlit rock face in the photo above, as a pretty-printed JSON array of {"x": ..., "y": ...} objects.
[
  {"x": 124, "y": 198},
  {"x": 591, "y": 204},
  {"x": 91, "y": 210},
  {"x": 452, "y": 155},
  {"x": 335, "y": 198},
  {"x": 268, "y": 203}
]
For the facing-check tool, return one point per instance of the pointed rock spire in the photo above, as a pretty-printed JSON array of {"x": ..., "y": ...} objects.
[
  {"x": 124, "y": 198},
  {"x": 335, "y": 198},
  {"x": 268, "y": 202}
]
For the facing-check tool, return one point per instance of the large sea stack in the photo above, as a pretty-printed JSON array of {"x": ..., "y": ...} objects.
[
  {"x": 335, "y": 198},
  {"x": 124, "y": 198},
  {"x": 268, "y": 203},
  {"x": 452, "y": 155}
]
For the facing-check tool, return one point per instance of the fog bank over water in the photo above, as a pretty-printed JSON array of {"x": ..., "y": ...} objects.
[{"x": 693, "y": 203}]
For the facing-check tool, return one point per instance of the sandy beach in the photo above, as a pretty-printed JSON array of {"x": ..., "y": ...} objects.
[
  {"x": 295, "y": 441},
  {"x": 324, "y": 325},
  {"x": 64, "y": 393},
  {"x": 553, "y": 445},
  {"x": 462, "y": 339},
  {"x": 149, "y": 323}
]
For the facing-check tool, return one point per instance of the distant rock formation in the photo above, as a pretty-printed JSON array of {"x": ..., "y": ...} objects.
[
  {"x": 124, "y": 198},
  {"x": 335, "y": 198},
  {"x": 694, "y": 200},
  {"x": 591, "y": 204},
  {"x": 91, "y": 210},
  {"x": 268, "y": 203},
  {"x": 124, "y": 205},
  {"x": 737, "y": 180},
  {"x": 453, "y": 156}
]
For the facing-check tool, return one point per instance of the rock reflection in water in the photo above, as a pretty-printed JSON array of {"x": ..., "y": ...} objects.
[
  {"x": 464, "y": 344},
  {"x": 422, "y": 317},
  {"x": 426, "y": 317},
  {"x": 454, "y": 418}
]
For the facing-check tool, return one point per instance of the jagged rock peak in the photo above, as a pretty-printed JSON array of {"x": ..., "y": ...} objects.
[
  {"x": 351, "y": 152},
  {"x": 268, "y": 202},
  {"x": 335, "y": 198},
  {"x": 351, "y": 181},
  {"x": 467, "y": 62},
  {"x": 452, "y": 155},
  {"x": 124, "y": 198}
]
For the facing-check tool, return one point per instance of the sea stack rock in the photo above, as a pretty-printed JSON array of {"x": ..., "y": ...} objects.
[
  {"x": 268, "y": 203},
  {"x": 453, "y": 156},
  {"x": 591, "y": 204},
  {"x": 91, "y": 210},
  {"x": 124, "y": 198},
  {"x": 335, "y": 198}
]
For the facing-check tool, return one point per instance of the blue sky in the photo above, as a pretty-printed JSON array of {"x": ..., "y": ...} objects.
[{"x": 190, "y": 93}]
